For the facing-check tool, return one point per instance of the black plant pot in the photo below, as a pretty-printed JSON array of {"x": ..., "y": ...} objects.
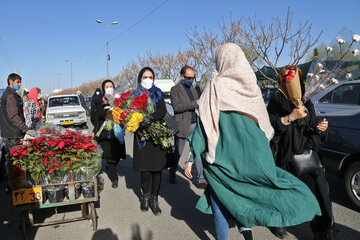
[
  {"x": 77, "y": 190},
  {"x": 55, "y": 195},
  {"x": 88, "y": 191}
]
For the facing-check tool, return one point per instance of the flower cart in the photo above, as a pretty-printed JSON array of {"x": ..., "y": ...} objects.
[
  {"x": 28, "y": 200},
  {"x": 58, "y": 168}
]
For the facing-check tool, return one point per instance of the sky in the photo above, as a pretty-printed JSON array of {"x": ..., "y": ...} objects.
[{"x": 37, "y": 36}]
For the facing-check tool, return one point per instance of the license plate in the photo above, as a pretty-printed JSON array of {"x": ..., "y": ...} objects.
[
  {"x": 67, "y": 122},
  {"x": 28, "y": 195}
]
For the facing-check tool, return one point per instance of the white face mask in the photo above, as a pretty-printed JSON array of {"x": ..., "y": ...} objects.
[
  {"x": 109, "y": 91},
  {"x": 147, "y": 83}
]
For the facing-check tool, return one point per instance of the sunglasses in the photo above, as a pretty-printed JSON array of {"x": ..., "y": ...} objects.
[{"x": 189, "y": 78}]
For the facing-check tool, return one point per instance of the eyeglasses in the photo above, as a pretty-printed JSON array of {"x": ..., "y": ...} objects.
[{"x": 189, "y": 78}]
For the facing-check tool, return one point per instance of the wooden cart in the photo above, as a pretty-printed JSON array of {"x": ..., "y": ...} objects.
[{"x": 30, "y": 199}]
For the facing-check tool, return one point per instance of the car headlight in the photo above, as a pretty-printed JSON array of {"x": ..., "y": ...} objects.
[
  {"x": 50, "y": 116},
  {"x": 82, "y": 115}
]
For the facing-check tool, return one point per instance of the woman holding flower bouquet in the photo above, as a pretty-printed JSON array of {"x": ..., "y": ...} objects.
[
  {"x": 296, "y": 133},
  {"x": 232, "y": 141},
  {"x": 113, "y": 150},
  {"x": 149, "y": 158}
]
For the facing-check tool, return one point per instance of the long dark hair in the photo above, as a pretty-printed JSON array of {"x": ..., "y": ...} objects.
[{"x": 103, "y": 84}]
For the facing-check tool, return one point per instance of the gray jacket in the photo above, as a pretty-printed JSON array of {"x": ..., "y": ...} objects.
[{"x": 183, "y": 108}]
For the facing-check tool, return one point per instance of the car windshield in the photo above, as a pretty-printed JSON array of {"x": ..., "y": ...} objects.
[{"x": 63, "y": 101}]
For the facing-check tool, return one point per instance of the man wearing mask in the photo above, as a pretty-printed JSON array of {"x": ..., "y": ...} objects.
[
  {"x": 12, "y": 121},
  {"x": 184, "y": 99}
]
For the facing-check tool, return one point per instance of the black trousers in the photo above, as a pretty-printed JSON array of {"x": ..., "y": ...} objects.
[
  {"x": 111, "y": 171},
  {"x": 319, "y": 186},
  {"x": 152, "y": 179}
]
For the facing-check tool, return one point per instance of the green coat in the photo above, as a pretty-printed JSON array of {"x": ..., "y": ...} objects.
[{"x": 245, "y": 179}]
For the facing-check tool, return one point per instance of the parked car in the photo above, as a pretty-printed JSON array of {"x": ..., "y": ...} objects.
[
  {"x": 267, "y": 93},
  {"x": 88, "y": 105},
  {"x": 340, "y": 105},
  {"x": 65, "y": 110}
]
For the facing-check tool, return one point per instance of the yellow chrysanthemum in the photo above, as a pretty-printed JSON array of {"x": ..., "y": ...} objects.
[{"x": 134, "y": 121}]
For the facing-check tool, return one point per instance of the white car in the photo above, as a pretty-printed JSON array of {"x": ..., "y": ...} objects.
[{"x": 65, "y": 110}]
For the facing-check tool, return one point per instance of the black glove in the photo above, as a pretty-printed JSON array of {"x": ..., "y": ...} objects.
[{"x": 146, "y": 121}]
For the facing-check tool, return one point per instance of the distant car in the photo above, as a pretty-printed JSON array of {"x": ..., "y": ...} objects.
[
  {"x": 88, "y": 105},
  {"x": 267, "y": 93},
  {"x": 65, "y": 110},
  {"x": 340, "y": 105}
]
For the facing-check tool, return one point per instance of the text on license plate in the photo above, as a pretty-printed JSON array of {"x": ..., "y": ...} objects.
[
  {"x": 28, "y": 195},
  {"x": 67, "y": 122}
]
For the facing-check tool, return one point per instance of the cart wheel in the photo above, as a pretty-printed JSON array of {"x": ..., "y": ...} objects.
[
  {"x": 25, "y": 226},
  {"x": 92, "y": 216}
]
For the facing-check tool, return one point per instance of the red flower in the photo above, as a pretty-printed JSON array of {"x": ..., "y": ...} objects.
[
  {"x": 290, "y": 75},
  {"x": 51, "y": 171},
  {"x": 140, "y": 102},
  {"x": 68, "y": 163},
  {"x": 61, "y": 145}
]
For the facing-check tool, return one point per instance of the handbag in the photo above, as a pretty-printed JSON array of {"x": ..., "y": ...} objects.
[
  {"x": 171, "y": 124},
  {"x": 305, "y": 163}
]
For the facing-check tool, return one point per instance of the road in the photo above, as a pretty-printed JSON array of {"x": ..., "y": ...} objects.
[{"x": 119, "y": 216}]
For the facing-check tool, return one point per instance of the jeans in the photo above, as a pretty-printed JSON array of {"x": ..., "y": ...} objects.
[
  {"x": 221, "y": 216},
  {"x": 179, "y": 148}
]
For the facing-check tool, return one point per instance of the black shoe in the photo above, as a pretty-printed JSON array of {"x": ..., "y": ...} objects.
[
  {"x": 247, "y": 234},
  {"x": 279, "y": 232},
  {"x": 154, "y": 205},
  {"x": 144, "y": 202},
  {"x": 172, "y": 178},
  {"x": 114, "y": 184}
]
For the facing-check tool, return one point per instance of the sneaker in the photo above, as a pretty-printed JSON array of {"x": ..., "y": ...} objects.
[{"x": 279, "y": 232}]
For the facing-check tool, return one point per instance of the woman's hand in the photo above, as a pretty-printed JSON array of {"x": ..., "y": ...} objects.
[
  {"x": 322, "y": 126},
  {"x": 188, "y": 167},
  {"x": 298, "y": 113}
]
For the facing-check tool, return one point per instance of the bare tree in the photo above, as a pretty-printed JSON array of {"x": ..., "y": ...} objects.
[{"x": 263, "y": 44}]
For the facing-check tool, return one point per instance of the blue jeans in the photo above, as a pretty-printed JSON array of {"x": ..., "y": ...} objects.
[{"x": 221, "y": 216}]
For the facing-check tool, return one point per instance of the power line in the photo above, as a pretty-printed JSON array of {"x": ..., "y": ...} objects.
[
  {"x": 9, "y": 62},
  {"x": 122, "y": 33}
]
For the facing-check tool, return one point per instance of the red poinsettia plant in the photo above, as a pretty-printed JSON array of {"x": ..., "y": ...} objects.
[{"x": 49, "y": 159}]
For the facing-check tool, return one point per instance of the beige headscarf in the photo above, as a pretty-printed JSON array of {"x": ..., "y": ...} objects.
[{"x": 234, "y": 89}]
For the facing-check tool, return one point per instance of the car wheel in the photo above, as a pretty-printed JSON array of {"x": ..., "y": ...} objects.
[{"x": 352, "y": 182}]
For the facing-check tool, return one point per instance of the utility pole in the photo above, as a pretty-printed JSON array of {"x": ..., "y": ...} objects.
[
  {"x": 59, "y": 77},
  {"x": 71, "y": 62}
]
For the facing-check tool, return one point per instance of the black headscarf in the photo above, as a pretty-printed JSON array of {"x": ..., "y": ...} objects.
[
  {"x": 142, "y": 72},
  {"x": 103, "y": 84},
  {"x": 155, "y": 92}
]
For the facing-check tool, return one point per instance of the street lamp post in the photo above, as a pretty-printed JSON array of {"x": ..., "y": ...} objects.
[
  {"x": 71, "y": 62},
  {"x": 107, "y": 45},
  {"x": 59, "y": 76}
]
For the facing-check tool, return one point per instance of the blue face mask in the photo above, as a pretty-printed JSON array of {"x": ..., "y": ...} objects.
[
  {"x": 16, "y": 87},
  {"x": 188, "y": 82}
]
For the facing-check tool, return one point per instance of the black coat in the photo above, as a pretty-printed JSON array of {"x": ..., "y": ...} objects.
[
  {"x": 113, "y": 151},
  {"x": 294, "y": 138},
  {"x": 151, "y": 157}
]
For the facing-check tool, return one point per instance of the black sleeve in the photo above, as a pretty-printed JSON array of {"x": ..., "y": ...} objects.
[
  {"x": 160, "y": 110},
  {"x": 276, "y": 110}
]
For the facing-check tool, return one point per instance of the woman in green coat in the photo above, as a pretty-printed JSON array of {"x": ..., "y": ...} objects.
[{"x": 232, "y": 141}]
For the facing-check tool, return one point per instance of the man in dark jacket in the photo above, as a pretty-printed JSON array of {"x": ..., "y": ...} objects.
[
  {"x": 12, "y": 121},
  {"x": 184, "y": 99}
]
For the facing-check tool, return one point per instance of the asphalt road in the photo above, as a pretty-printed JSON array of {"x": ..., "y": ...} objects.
[{"x": 119, "y": 216}]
